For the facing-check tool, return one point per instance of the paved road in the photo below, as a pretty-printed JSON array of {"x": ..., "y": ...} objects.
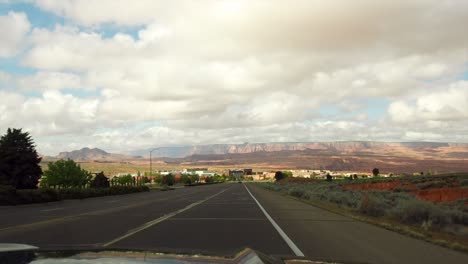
[{"x": 217, "y": 219}]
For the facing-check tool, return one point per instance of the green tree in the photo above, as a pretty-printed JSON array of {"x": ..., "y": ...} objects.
[
  {"x": 186, "y": 179},
  {"x": 279, "y": 175},
  {"x": 66, "y": 173},
  {"x": 168, "y": 179},
  {"x": 209, "y": 179},
  {"x": 125, "y": 180},
  {"x": 19, "y": 161},
  {"x": 100, "y": 181},
  {"x": 375, "y": 172},
  {"x": 287, "y": 174}
]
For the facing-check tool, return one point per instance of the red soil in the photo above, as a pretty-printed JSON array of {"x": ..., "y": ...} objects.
[
  {"x": 443, "y": 194},
  {"x": 383, "y": 186}
]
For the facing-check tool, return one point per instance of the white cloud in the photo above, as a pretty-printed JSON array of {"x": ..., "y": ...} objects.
[
  {"x": 13, "y": 29},
  {"x": 4, "y": 77},
  {"x": 448, "y": 104},
  {"x": 235, "y": 71},
  {"x": 44, "y": 81},
  {"x": 51, "y": 114},
  {"x": 104, "y": 11}
]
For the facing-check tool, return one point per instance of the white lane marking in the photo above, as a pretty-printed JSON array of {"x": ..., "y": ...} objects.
[
  {"x": 160, "y": 219},
  {"x": 216, "y": 219},
  {"x": 53, "y": 209},
  {"x": 288, "y": 241}
]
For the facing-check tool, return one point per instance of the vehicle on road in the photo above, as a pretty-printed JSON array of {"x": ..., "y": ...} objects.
[{"x": 21, "y": 253}]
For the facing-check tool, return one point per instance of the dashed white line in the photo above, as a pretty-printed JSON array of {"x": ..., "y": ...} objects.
[
  {"x": 285, "y": 237},
  {"x": 159, "y": 220},
  {"x": 113, "y": 201},
  {"x": 53, "y": 209}
]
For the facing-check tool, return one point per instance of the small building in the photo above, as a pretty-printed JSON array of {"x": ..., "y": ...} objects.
[
  {"x": 236, "y": 173},
  {"x": 193, "y": 170},
  {"x": 248, "y": 172}
]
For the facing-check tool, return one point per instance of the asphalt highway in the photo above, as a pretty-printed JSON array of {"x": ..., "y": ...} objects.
[{"x": 219, "y": 219}]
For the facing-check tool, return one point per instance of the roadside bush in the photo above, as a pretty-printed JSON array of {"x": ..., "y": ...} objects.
[
  {"x": 431, "y": 184},
  {"x": 416, "y": 212},
  {"x": 168, "y": 180},
  {"x": 209, "y": 179},
  {"x": 186, "y": 179},
  {"x": 7, "y": 194},
  {"x": 296, "y": 192},
  {"x": 127, "y": 189},
  {"x": 344, "y": 198},
  {"x": 36, "y": 196},
  {"x": 372, "y": 206},
  {"x": 464, "y": 182},
  {"x": 78, "y": 193},
  {"x": 100, "y": 181},
  {"x": 11, "y": 196}
]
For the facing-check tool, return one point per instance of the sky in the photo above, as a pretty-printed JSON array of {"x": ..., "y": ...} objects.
[{"x": 128, "y": 75}]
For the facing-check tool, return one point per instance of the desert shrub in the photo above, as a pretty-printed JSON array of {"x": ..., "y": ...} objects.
[
  {"x": 296, "y": 192},
  {"x": 413, "y": 212},
  {"x": 417, "y": 212},
  {"x": 431, "y": 184},
  {"x": 401, "y": 189},
  {"x": 372, "y": 206},
  {"x": 345, "y": 198},
  {"x": 464, "y": 182}
]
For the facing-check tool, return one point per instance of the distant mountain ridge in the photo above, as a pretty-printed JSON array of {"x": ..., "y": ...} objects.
[
  {"x": 341, "y": 156},
  {"x": 340, "y": 147},
  {"x": 93, "y": 154}
]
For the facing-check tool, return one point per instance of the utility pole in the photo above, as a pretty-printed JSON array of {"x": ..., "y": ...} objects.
[{"x": 151, "y": 162}]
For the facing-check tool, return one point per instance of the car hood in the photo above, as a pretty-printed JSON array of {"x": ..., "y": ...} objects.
[{"x": 20, "y": 253}]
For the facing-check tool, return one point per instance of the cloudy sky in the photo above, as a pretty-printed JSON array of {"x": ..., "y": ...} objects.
[{"x": 125, "y": 75}]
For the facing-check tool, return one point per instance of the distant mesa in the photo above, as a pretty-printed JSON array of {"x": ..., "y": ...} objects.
[
  {"x": 340, "y": 156},
  {"x": 340, "y": 147},
  {"x": 93, "y": 154}
]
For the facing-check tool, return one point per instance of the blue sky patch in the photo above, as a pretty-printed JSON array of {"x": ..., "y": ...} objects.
[
  {"x": 109, "y": 31},
  {"x": 12, "y": 66},
  {"x": 37, "y": 17},
  {"x": 376, "y": 107}
]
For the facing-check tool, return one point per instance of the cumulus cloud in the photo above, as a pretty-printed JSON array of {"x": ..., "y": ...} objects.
[
  {"x": 53, "y": 113},
  {"x": 235, "y": 71},
  {"x": 44, "y": 81},
  {"x": 442, "y": 105},
  {"x": 4, "y": 77},
  {"x": 13, "y": 27}
]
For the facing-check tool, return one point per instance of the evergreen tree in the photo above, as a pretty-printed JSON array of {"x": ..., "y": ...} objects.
[
  {"x": 19, "y": 161},
  {"x": 375, "y": 172},
  {"x": 100, "y": 181}
]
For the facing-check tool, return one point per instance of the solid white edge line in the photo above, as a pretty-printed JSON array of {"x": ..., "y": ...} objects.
[{"x": 285, "y": 237}]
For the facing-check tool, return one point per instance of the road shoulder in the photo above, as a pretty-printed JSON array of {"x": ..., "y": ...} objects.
[{"x": 324, "y": 235}]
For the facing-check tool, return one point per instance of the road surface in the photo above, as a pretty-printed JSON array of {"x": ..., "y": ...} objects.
[{"x": 219, "y": 219}]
